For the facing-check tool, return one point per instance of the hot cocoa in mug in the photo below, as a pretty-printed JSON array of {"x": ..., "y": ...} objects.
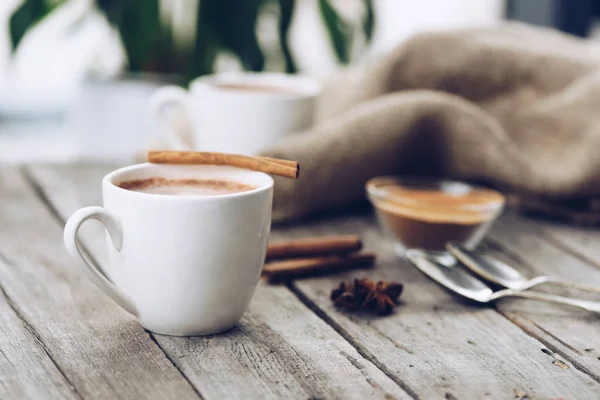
[
  {"x": 186, "y": 243},
  {"x": 184, "y": 187}
]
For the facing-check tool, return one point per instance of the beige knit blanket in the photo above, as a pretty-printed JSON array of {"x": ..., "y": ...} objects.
[{"x": 514, "y": 106}]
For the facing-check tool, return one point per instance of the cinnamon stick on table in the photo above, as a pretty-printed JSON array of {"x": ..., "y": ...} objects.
[
  {"x": 314, "y": 247},
  {"x": 282, "y": 270},
  {"x": 287, "y": 168}
]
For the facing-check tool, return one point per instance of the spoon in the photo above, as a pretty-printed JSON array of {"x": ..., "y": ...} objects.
[
  {"x": 443, "y": 268},
  {"x": 504, "y": 275}
]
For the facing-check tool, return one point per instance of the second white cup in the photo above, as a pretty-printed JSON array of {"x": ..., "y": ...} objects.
[{"x": 237, "y": 112}]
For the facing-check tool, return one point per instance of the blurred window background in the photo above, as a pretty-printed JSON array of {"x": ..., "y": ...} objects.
[{"x": 75, "y": 74}]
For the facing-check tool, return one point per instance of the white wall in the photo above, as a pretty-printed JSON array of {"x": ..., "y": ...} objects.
[{"x": 398, "y": 19}]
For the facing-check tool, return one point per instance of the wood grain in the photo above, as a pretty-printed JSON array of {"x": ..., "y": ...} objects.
[
  {"x": 26, "y": 370},
  {"x": 101, "y": 350},
  {"x": 281, "y": 349},
  {"x": 580, "y": 242},
  {"x": 436, "y": 344},
  {"x": 569, "y": 332}
]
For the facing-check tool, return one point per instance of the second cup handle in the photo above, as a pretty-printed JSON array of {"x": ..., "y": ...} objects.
[
  {"x": 162, "y": 98},
  {"x": 74, "y": 249}
]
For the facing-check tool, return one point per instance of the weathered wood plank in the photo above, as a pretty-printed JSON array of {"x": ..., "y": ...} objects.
[
  {"x": 434, "y": 345},
  {"x": 279, "y": 350},
  {"x": 570, "y": 332},
  {"x": 100, "y": 349},
  {"x": 582, "y": 242},
  {"x": 26, "y": 370}
]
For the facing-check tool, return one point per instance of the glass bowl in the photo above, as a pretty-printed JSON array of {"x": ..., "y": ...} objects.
[{"x": 427, "y": 213}]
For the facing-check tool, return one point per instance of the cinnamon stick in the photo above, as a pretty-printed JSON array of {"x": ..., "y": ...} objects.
[
  {"x": 281, "y": 270},
  {"x": 287, "y": 168},
  {"x": 314, "y": 247},
  {"x": 288, "y": 163}
]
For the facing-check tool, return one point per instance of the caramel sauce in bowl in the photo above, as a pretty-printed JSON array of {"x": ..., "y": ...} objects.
[{"x": 428, "y": 213}]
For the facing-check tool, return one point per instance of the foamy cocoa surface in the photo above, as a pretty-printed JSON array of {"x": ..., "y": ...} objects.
[
  {"x": 185, "y": 187},
  {"x": 433, "y": 206},
  {"x": 253, "y": 87}
]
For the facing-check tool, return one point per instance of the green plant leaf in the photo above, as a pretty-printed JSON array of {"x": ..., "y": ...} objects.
[
  {"x": 222, "y": 25},
  {"x": 339, "y": 31},
  {"x": 205, "y": 45},
  {"x": 286, "y": 12},
  {"x": 142, "y": 32},
  {"x": 27, "y": 15},
  {"x": 369, "y": 20},
  {"x": 227, "y": 25}
]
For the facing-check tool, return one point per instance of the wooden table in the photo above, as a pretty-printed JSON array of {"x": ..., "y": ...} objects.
[{"x": 60, "y": 337}]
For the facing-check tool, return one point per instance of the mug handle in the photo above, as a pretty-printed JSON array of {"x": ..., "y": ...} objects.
[
  {"x": 162, "y": 98},
  {"x": 113, "y": 226}
]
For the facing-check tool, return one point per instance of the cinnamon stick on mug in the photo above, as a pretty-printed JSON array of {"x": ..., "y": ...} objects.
[
  {"x": 289, "y": 163},
  {"x": 282, "y": 270},
  {"x": 314, "y": 247},
  {"x": 287, "y": 168}
]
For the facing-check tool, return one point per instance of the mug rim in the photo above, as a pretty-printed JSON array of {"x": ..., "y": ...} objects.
[
  {"x": 306, "y": 86},
  {"x": 108, "y": 181}
]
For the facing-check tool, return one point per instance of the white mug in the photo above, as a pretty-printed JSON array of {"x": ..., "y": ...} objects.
[
  {"x": 238, "y": 120},
  {"x": 183, "y": 265}
]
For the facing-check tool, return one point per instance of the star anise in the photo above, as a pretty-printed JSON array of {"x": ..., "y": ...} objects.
[{"x": 380, "y": 297}]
